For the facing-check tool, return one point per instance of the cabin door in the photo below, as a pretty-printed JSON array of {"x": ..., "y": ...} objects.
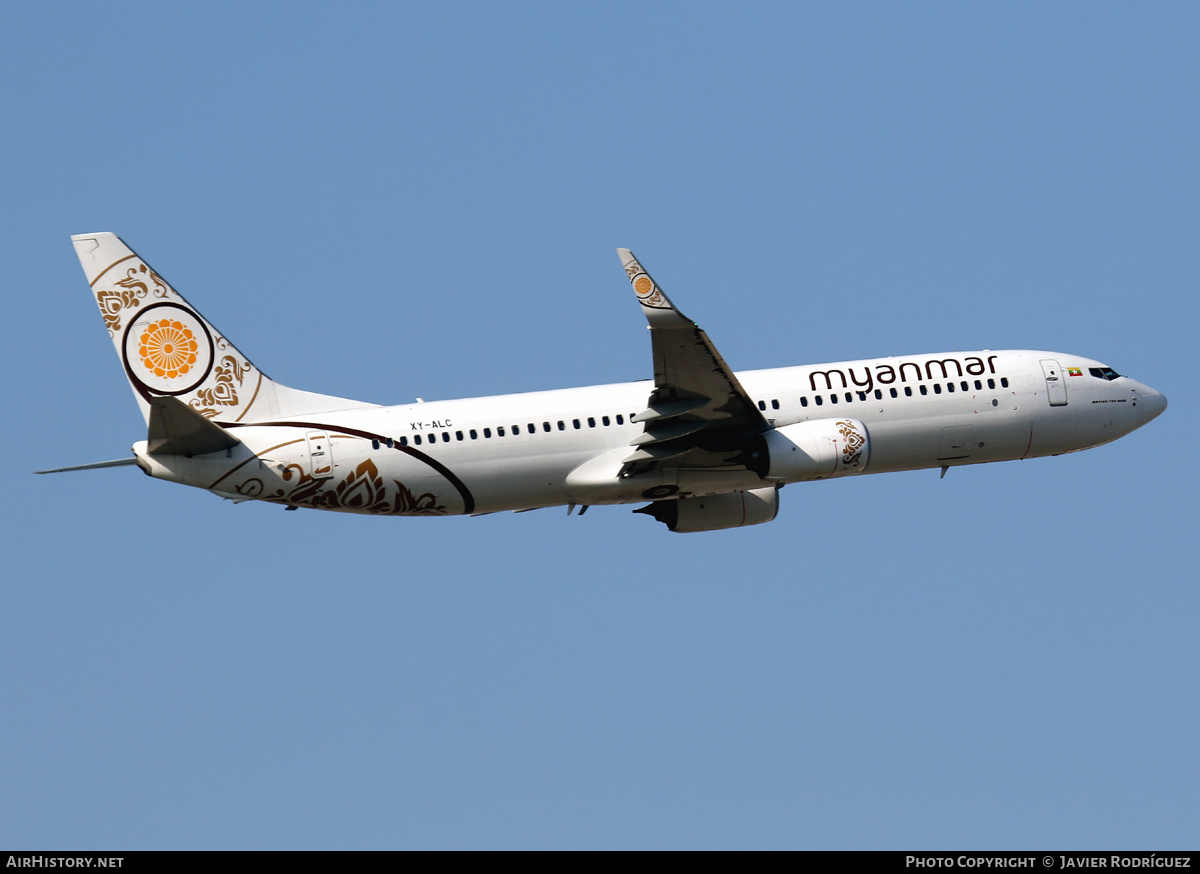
[
  {"x": 320, "y": 454},
  {"x": 1056, "y": 388}
]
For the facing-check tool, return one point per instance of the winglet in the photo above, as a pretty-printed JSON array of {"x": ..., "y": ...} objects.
[{"x": 659, "y": 310}]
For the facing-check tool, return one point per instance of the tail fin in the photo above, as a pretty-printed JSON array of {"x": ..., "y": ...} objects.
[{"x": 169, "y": 349}]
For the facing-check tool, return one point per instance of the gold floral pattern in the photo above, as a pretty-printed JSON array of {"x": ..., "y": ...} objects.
[
  {"x": 138, "y": 282},
  {"x": 112, "y": 302},
  {"x": 223, "y": 392},
  {"x": 362, "y": 491},
  {"x": 855, "y": 441}
]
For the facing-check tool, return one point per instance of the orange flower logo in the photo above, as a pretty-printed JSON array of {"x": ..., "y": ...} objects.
[
  {"x": 643, "y": 286},
  {"x": 168, "y": 349}
]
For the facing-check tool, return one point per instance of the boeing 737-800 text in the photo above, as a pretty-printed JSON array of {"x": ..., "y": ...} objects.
[{"x": 706, "y": 447}]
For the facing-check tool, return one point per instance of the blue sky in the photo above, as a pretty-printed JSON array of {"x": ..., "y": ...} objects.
[{"x": 387, "y": 201}]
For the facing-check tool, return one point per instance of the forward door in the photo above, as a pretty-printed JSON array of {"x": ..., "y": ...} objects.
[{"x": 1056, "y": 387}]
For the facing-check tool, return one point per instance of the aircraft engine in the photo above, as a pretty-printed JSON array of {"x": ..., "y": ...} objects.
[
  {"x": 730, "y": 510},
  {"x": 817, "y": 449}
]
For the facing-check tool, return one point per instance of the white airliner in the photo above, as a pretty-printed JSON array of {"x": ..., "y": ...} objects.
[{"x": 706, "y": 447}]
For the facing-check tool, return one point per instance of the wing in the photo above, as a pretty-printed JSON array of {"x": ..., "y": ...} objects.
[{"x": 698, "y": 415}]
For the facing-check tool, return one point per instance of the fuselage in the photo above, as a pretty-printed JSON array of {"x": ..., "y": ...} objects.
[{"x": 518, "y": 452}]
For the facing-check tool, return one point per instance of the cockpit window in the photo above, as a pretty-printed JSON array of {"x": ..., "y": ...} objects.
[{"x": 1104, "y": 373}]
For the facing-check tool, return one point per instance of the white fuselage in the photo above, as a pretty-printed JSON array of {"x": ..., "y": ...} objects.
[{"x": 516, "y": 452}]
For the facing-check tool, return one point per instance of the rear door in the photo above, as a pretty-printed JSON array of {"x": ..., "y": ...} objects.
[{"x": 320, "y": 454}]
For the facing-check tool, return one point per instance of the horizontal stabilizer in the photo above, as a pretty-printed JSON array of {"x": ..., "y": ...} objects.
[
  {"x": 177, "y": 429},
  {"x": 96, "y": 465}
]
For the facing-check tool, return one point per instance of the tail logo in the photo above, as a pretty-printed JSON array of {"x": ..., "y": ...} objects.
[{"x": 168, "y": 349}]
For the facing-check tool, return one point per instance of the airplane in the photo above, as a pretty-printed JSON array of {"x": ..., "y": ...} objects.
[{"x": 702, "y": 449}]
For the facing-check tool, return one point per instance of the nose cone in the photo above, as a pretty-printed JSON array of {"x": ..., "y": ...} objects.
[{"x": 1152, "y": 404}]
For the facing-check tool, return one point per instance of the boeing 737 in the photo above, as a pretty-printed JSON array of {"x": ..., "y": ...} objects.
[{"x": 703, "y": 448}]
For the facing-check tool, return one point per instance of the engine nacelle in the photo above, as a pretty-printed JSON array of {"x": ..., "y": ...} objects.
[
  {"x": 817, "y": 449},
  {"x": 730, "y": 510}
]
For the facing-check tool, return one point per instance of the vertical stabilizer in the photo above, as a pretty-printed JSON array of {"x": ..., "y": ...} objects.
[{"x": 168, "y": 349}]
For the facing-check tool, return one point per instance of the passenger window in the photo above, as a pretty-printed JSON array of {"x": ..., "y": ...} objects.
[
  {"x": 562, "y": 426},
  {"x": 433, "y": 438},
  {"x": 487, "y": 433},
  {"x": 591, "y": 421},
  {"x": 403, "y": 441},
  {"x": 762, "y": 405},
  {"x": 546, "y": 426},
  {"x": 991, "y": 383},
  {"x": 374, "y": 444},
  {"x": 937, "y": 388},
  {"x": 849, "y": 397},
  {"x": 862, "y": 395},
  {"x": 978, "y": 385},
  {"x": 516, "y": 431},
  {"x": 774, "y": 405},
  {"x": 605, "y": 421},
  {"x": 878, "y": 394},
  {"x": 924, "y": 390},
  {"x": 950, "y": 387},
  {"x": 500, "y": 431},
  {"x": 819, "y": 400},
  {"x": 620, "y": 419},
  {"x": 1004, "y": 381},
  {"x": 963, "y": 385},
  {"x": 533, "y": 430},
  {"x": 575, "y": 422},
  {"x": 804, "y": 402},
  {"x": 389, "y": 443},
  {"x": 892, "y": 392},
  {"x": 474, "y": 435},
  {"x": 445, "y": 436},
  {"x": 908, "y": 391},
  {"x": 833, "y": 399},
  {"x": 417, "y": 439}
]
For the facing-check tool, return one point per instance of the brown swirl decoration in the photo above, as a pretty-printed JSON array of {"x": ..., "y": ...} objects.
[
  {"x": 223, "y": 392},
  {"x": 112, "y": 303},
  {"x": 852, "y": 452},
  {"x": 362, "y": 491},
  {"x": 408, "y": 504},
  {"x": 138, "y": 282}
]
